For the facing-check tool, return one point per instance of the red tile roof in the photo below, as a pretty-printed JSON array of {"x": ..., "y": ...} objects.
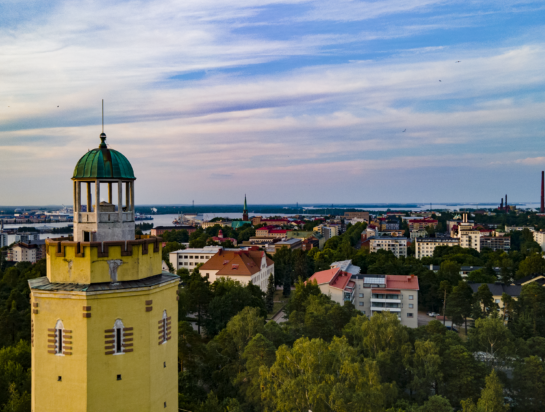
[
  {"x": 335, "y": 277},
  {"x": 236, "y": 263}
]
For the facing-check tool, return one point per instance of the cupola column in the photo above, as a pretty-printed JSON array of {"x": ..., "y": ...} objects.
[
  {"x": 97, "y": 201},
  {"x": 110, "y": 192},
  {"x": 132, "y": 199},
  {"x": 89, "y": 198},
  {"x": 120, "y": 200}
]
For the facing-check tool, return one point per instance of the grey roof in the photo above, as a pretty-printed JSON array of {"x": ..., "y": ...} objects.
[
  {"x": 530, "y": 277},
  {"x": 43, "y": 283},
  {"x": 497, "y": 289},
  {"x": 437, "y": 239},
  {"x": 346, "y": 266}
]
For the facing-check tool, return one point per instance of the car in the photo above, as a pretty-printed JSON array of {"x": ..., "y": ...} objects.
[{"x": 433, "y": 314}]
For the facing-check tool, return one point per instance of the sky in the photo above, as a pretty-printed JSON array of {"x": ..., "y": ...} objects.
[{"x": 286, "y": 101}]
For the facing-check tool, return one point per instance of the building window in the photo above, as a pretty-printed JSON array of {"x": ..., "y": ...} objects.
[
  {"x": 361, "y": 303},
  {"x": 409, "y": 315},
  {"x": 59, "y": 327},
  {"x": 411, "y": 306},
  {"x": 361, "y": 295},
  {"x": 118, "y": 336},
  {"x": 411, "y": 297}
]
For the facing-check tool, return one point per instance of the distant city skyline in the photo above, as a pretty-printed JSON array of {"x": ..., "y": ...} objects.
[{"x": 360, "y": 101}]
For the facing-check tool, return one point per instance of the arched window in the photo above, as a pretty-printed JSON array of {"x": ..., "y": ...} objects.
[
  {"x": 164, "y": 326},
  {"x": 118, "y": 336},
  {"x": 59, "y": 327}
]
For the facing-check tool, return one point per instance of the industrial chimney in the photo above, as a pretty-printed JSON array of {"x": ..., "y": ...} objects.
[
  {"x": 542, "y": 194},
  {"x": 501, "y": 204},
  {"x": 506, "y": 206}
]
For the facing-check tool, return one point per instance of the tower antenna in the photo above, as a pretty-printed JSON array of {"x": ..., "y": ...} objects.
[{"x": 102, "y": 115}]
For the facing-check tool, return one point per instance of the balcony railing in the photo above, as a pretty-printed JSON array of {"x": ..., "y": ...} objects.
[{"x": 379, "y": 309}]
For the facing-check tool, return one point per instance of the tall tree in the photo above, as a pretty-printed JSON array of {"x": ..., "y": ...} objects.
[
  {"x": 492, "y": 398},
  {"x": 459, "y": 303}
]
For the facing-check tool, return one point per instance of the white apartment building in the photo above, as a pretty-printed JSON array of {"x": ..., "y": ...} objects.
[
  {"x": 190, "y": 258},
  {"x": 3, "y": 239},
  {"x": 539, "y": 237},
  {"x": 397, "y": 245},
  {"x": 426, "y": 246},
  {"x": 373, "y": 293},
  {"x": 327, "y": 231},
  {"x": 469, "y": 237}
]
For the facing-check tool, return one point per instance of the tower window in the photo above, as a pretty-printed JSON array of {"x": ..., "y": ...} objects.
[
  {"x": 118, "y": 377},
  {"x": 59, "y": 327},
  {"x": 59, "y": 379},
  {"x": 118, "y": 327}
]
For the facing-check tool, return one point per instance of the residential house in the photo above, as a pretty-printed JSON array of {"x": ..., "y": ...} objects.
[{"x": 242, "y": 265}]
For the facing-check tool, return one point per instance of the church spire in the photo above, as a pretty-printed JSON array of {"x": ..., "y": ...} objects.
[{"x": 245, "y": 210}]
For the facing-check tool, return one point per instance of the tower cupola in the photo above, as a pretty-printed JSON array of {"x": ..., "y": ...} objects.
[{"x": 103, "y": 196}]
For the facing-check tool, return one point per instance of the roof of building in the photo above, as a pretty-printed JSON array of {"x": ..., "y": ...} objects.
[
  {"x": 498, "y": 288},
  {"x": 178, "y": 227},
  {"x": 402, "y": 282},
  {"x": 236, "y": 263},
  {"x": 536, "y": 277},
  {"x": 389, "y": 238},
  {"x": 437, "y": 239},
  {"x": 346, "y": 266},
  {"x": 43, "y": 283},
  {"x": 103, "y": 163},
  {"x": 292, "y": 241},
  {"x": 213, "y": 249}
]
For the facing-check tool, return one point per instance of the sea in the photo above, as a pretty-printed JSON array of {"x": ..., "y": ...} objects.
[{"x": 166, "y": 220}]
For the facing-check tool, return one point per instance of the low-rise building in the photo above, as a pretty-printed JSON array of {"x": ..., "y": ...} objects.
[
  {"x": 241, "y": 265},
  {"x": 31, "y": 251},
  {"x": 397, "y": 245},
  {"x": 190, "y": 258},
  {"x": 425, "y": 246},
  {"x": 357, "y": 215},
  {"x": 291, "y": 244},
  {"x": 372, "y": 294},
  {"x": 222, "y": 223},
  {"x": 518, "y": 228},
  {"x": 159, "y": 230},
  {"x": 498, "y": 289},
  {"x": 220, "y": 238}
]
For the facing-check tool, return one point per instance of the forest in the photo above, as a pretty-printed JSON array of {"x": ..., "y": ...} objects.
[{"x": 328, "y": 357}]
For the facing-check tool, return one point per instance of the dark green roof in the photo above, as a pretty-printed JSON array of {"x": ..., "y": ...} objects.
[{"x": 103, "y": 163}]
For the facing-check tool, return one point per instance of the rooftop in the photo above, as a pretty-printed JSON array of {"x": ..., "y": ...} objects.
[{"x": 498, "y": 289}]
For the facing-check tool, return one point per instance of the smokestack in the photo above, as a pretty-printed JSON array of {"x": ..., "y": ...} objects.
[
  {"x": 542, "y": 192},
  {"x": 501, "y": 204},
  {"x": 506, "y": 207}
]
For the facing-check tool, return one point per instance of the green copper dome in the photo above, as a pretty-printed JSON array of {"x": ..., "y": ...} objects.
[{"x": 103, "y": 163}]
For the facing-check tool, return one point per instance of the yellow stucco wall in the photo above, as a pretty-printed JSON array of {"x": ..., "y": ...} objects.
[
  {"x": 93, "y": 269},
  {"x": 89, "y": 376}
]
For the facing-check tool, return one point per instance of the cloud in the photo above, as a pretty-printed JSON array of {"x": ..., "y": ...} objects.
[{"x": 330, "y": 120}]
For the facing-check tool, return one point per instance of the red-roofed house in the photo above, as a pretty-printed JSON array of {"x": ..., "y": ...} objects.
[
  {"x": 220, "y": 239},
  {"x": 273, "y": 232},
  {"x": 335, "y": 283},
  {"x": 241, "y": 265}
]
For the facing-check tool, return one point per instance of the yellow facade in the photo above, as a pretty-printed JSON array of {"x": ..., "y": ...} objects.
[{"x": 88, "y": 376}]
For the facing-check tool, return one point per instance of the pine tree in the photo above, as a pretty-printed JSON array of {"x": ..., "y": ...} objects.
[{"x": 269, "y": 299}]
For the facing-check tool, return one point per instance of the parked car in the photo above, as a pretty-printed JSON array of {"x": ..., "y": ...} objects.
[{"x": 433, "y": 314}]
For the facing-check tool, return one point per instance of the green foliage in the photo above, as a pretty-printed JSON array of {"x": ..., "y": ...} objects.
[
  {"x": 491, "y": 399},
  {"x": 269, "y": 300}
]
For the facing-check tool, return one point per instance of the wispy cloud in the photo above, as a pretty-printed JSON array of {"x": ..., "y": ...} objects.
[{"x": 283, "y": 102}]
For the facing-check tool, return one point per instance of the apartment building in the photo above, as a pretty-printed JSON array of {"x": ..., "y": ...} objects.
[
  {"x": 241, "y": 265},
  {"x": 418, "y": 233},
  {"x": 3, "y": 239},
  {"x": 190, "y": 258},
  {"x": 159, "y": 230},
  {"x": 273, "y": 232},
  {"x": 419, "y": 224},
  {"x": 222, "y": 223},
  {"x": 497, "y": 242},
  {"x": 27, "y": 252},
  {"x": 396, "y": 245},
  {"x": 426, "y": 246},
  {"x": 539, "y": 237},
  {"x": 373, "y": 293}
]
